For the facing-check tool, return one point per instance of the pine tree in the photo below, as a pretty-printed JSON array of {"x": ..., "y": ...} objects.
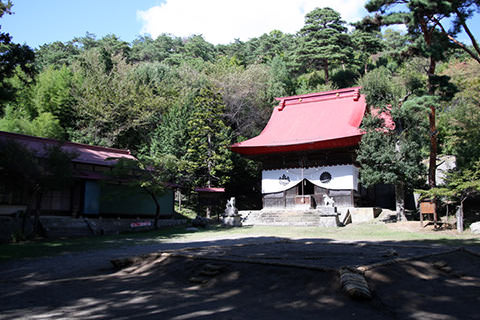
[
  {"x": 323, "y": 41},
  {"x": 392, "y": 154},
  {"x": 429, "y": 38}
]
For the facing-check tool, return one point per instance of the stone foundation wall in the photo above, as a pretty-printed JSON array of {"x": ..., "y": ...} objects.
[{"x": 66, "y": 227}]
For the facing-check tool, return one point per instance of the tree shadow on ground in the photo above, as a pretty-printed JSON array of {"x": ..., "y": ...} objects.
[{"x": 253, "y": 278}]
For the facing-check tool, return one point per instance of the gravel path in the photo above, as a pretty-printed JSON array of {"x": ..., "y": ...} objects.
[
  {"x": 332, "y": 253},
  {"x": 84, "y": 284},
  {"x": 97, "y": 261}
]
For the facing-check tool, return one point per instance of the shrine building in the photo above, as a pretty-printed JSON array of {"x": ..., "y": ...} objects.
[{"x": 307, "y": 150}]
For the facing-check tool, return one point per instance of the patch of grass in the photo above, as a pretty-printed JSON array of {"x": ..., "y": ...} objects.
[
  {"x": 40, "y": 248},
  {"x": 359, "y": 232},
  {"x": 185, "y": 211}
]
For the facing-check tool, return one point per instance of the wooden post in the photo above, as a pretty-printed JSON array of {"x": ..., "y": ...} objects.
[
  {"x": 179, "y": 195},
  {"x": 459, "y": 216}
]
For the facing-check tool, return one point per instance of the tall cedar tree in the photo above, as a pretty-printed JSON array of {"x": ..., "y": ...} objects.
[
  {"x": 324, "y": 41},
  {"x": 391, "y": 155},
  {"x": 208, "y": 150}
]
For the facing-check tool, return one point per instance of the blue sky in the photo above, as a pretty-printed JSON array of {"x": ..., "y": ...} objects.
[{"x": 36, "y": 22}]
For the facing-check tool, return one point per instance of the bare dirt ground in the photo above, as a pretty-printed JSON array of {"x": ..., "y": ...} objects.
[
  {"x": 428, "y": 226},
  {"x": 246, "y": 278}
]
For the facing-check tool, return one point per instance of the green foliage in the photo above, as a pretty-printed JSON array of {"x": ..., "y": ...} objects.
[
  {"x": 388, "y": 155},
  {"x": 426, "y": 24},
  {"x": 113, "y": 108},
  {"x": 280, "y": 83},
  {"x": 151, "y": 174},
  {"x": 268, "y": 46},
  {"x": 55, "y": 55},
  {"x": 145, "y": 95},
  {"x": 396, "y": 49},
  {"x": 165, "y": 48},
  {"x": 209, "y": 139},
  {"x": 44, "y": 125},
  {"x": 380, "y": 89},
  {"x": 5, "y": 7},
  {"x": 47, "y": 125},
  {"x": 365, "y": 45},
  {"x": 458, "y": 124},
  {"x": 53, "y": 94},
  {"x": 197, "y": 47},
  {"x": 460, "y": 132},
  {"x": 465, "y": 182},
  {"x": 172, "y": 135},
  {"x": 323, "y": 41},
  {"x": 245, "y": 94},
  {"x": 343, "y": 79},
  {"x": 12, "y": 56},
  {"x": 460, "y": 185},
  {"x": 244, "y": 182}
]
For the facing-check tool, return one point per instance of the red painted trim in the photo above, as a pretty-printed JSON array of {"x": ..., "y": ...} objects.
[
  {"x": 206, "y": 189},
  {"x": 318, "y": 145},
  {"x": 340, "y": 93}
]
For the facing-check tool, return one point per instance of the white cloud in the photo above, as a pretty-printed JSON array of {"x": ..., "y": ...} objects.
[{"x": 222, "y": 21}]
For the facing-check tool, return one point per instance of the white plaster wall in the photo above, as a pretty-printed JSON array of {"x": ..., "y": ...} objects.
[{"x": 344, "y": 177}]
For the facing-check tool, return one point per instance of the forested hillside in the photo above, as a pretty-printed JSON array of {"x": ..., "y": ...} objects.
[{"x": 192, "y": 99}]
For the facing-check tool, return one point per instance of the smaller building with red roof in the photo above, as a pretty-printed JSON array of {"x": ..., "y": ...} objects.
[{"x": 91, "y": 193}]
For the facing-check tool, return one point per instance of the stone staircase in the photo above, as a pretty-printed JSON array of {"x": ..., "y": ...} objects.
[{"x": 320, "y": 217}]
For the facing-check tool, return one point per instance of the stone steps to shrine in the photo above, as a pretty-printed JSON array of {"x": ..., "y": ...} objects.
[{"x": 324, "y": 217}]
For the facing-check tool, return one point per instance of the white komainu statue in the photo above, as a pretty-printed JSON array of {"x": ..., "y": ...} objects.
[
  {"x": 327, "y": 201},
  {"x": 230, "y": 210},
  {"x": 231, "y": 218}
]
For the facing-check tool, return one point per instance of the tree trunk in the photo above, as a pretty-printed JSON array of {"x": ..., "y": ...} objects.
[
  {"x": 432, "y": 167},
  {"x": 209, "y": 164},
  {"x": 179, "y": 193},
  {"x": 157, "y": 210},
  {"x": 400, "y": 201},
  {"x": 325, "y": 69},
  {"x": 209, "y": 161},
  {"x": 36, "y": 220},
  {"x": 459, "y": 216}
]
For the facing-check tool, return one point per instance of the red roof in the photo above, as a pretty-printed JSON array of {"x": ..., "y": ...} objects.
[
  {"x": 310, "y": 122},
  {"x": 207, "y": 189},
  {"x": 85, "y": 153}
]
